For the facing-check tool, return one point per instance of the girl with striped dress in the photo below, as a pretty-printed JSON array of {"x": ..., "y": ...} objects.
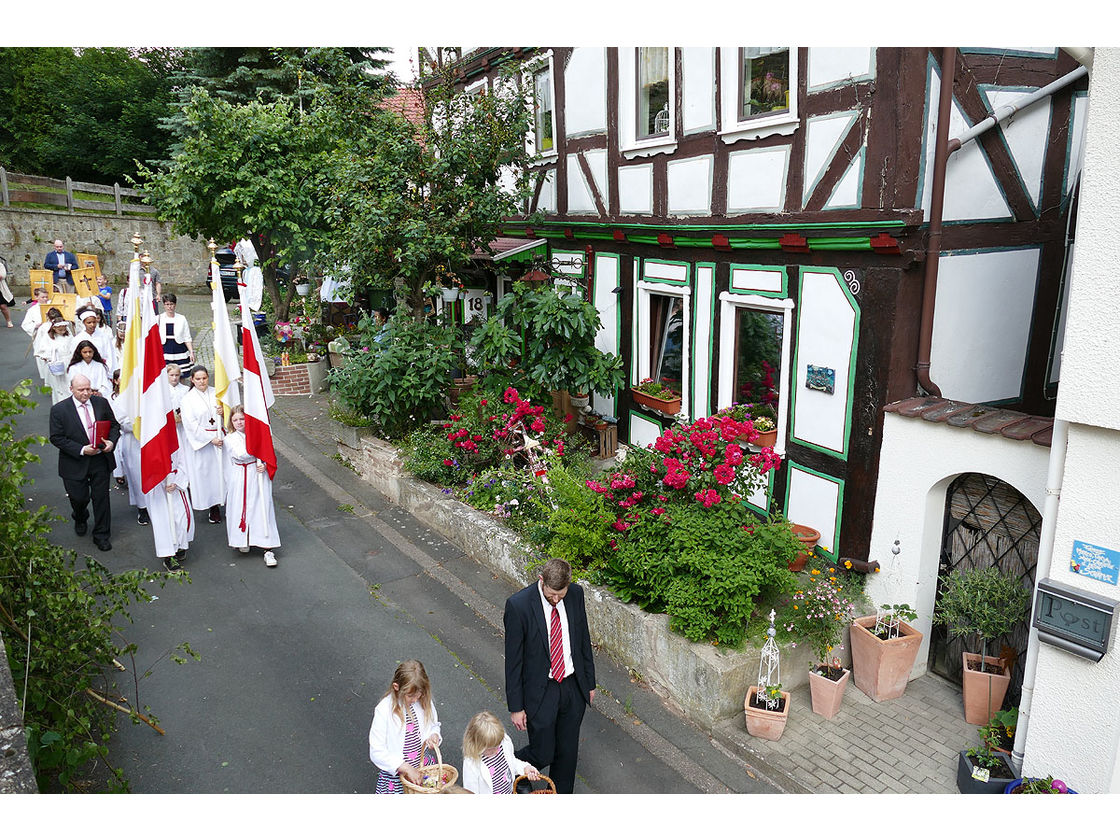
[
  {"x": 404, "y": 725},
  {"x": 489, "y": 765}
]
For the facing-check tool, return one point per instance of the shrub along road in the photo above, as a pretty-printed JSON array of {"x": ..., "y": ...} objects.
[{"x": 294, "y": 658}]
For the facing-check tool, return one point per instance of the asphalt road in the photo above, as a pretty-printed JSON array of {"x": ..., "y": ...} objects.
[{"x": 294, "y": 658}]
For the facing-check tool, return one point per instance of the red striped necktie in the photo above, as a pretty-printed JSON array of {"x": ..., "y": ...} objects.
[{"x": 556, "y": 646}]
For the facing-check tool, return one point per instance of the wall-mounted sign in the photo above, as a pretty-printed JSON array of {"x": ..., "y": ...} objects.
[
  {"x": 571, "y": 263},
  {"x": 1073, "y": 620},
  {"x": 820, "y": 378},
  {"x": 475, "y": 304},
  {"x": 1095, "y": 562}
]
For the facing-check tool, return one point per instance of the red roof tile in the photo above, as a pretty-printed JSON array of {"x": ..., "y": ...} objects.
[
  {"x": 986, "y": 419},
  {"x": 408, "y": 102}
]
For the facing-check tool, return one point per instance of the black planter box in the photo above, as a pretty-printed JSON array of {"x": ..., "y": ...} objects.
[{"x": 967, "y": 784}]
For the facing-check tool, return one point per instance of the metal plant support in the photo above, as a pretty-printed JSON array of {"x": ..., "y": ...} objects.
[
  {"x": 770, "y": 666},
  {"x": 886, "y": 620}
]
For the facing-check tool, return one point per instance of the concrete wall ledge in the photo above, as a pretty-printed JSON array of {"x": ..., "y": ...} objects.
[
  {"x": 16, "y": 775},
  {"x": 706, "y": 683}
]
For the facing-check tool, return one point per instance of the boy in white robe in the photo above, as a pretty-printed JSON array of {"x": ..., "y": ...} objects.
[{"x": 169, "y": 507}]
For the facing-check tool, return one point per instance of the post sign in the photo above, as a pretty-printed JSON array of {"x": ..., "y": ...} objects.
[{"x": 1076, "y": 621}]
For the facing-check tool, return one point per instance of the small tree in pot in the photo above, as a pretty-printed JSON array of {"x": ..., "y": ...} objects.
[{"x": 985, "y": 604}]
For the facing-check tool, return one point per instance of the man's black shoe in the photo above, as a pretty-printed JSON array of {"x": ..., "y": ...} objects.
[
  {"x": 80, "y": 528},
  {"x": 215, "y": 515},
  {"x": 142, "y": 517},
  {"x": 104, "y": 545}
]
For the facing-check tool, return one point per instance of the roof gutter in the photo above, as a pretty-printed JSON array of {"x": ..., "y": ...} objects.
[{"x": 943, "y": 148}]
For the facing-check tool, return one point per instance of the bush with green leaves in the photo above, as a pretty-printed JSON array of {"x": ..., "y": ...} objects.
[
  {"x": 707, "y": 568},
  {"x": 401, "y": 382},
  {"x": 578, "y": 524},
  {"x": 983, "y": 603},
  {"x": 61, "y": 617}
]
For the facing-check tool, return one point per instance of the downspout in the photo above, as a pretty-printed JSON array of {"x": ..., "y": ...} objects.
[
  {"x": 936, "y": 206},
  {"x": 943, "y": 148}
]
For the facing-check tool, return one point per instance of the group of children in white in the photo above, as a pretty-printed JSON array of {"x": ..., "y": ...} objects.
[
  {"x": 405, "y": 724},
  {"x": 211, "y": 468}
]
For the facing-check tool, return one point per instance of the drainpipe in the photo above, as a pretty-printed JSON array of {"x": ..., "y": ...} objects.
[
  {"x": 943, "y": 148},
  {"x": 936, "y": 206},
  {"x": 1055, "y": 470}
]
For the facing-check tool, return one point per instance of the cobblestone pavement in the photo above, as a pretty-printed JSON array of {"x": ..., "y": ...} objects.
[{"x": 908, "y": 745}]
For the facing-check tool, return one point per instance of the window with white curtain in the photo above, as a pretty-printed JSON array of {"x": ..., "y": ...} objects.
[
  {"x": 653, "y": 92},
  {"x": 542, "y": 109}
]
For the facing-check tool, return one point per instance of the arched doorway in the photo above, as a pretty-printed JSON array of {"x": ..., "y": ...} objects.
[{"x": 987, "y": 523}]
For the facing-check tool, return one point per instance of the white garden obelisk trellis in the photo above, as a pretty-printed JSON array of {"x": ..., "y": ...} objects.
[
  {"x": 770, "y": 666},
  {"x": 886, "y": 619}
]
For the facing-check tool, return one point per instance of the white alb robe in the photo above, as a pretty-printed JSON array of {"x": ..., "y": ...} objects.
[
  {"x": 54, "y": 350},
  {"x": 128, "y": 454},
  {"x": 250, "y": 512},
  {"x": 170, "y": 511},
  {"x": 205, "y": 462}
]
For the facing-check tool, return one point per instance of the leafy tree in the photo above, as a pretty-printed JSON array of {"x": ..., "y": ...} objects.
[
  {"x": 251, "y": 170},
  {"x": 90, "y": 114},
  {"x": 412, "y": 207},
  {"x": 60, "y": 619}
]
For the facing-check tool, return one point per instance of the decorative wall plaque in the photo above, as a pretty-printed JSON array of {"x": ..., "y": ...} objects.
[{"x": 820, "y": 378}]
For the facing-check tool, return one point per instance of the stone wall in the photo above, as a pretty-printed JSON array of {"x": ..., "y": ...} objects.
[
  {"x": 27, "y": 235},
  {"x": 16, "y": 775},
  {"x": 301, "y": 380}
]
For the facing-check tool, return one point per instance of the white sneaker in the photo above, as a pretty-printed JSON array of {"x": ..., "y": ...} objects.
[
  {"x": 244, "y": 549},
  {"x": 269, "y": 558}
]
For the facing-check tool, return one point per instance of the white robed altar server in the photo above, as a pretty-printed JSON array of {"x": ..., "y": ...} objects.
[
  {"x": 128, "y": 452},
  {"x": 202, "y": 427},
  {"x": 172, "y": 518},
  {"x": 250, "y": 512}
]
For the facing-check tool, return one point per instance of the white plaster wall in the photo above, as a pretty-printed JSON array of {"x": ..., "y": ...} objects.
[
  {"x": 635, "y": 189},
  {"x": 825, "y": 332},
  {"x": 830, "y": 66},
  {"x": 918, "y": 461},
  {"x": 579, "y": 196},
  {"x": 585, "y": 80},
  {"x": 981, "y": 323},
  {"x": 1026, "y": 134},
  {"x": 1074, "y": 726},
  {"x": 690, "y": 186},
  {"x": 814, "y": 501},
  {"x": 823, "y": 136},
  {"x": 698, "y": 66},
  {"x": 546, "y": 202},
  {"x": 846, "y": 193},
  {"x": 643, "y": 432},
  {"x": 1088, "y": 391},
  {"x": 756, "y": 179},
  {"x": 607, "y": 277}
]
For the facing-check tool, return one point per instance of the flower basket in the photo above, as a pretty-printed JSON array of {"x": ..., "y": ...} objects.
[
  {"x": 436, "y": 776},
  {"x": 551, "y": 789},
  {"x": 672, "y": 406},
  {"x": 762, "y": 722},
  {"x": 882, "y": 667},
  {"x": 808, "y": 537},
  {"x": 450, "y": 295}
]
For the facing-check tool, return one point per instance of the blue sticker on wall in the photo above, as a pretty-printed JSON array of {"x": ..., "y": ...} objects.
[
  {"x": 820, "y": 378},
  {"x": 1095, "y": 562}
]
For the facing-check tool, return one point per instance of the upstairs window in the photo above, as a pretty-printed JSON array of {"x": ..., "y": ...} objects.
[
  {"x": 653, "y": 92},
  {"x": 542, "y": 110},
  {"x": 764, "y": 77}
]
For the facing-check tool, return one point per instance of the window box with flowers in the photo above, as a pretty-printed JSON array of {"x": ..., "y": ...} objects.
[
  {"x": 654, "y": 395},
  {"x": 763, "y": 431}
]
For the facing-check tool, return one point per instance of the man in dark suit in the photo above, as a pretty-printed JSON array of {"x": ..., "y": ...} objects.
[
  {"x": 60, "y": 263},
  {"x": 85, "y": 468},
  {"x": 550, "y": 673}
]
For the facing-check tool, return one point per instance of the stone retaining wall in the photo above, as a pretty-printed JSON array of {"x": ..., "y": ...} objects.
[
  {"x": 27, "y": 235},
  {"x": 301, "y": 380},
  {"x": 707, "y": 683},
  {"x": 16, "y": 775}
]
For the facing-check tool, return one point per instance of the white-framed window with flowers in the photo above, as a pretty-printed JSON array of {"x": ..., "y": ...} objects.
[
  {"x": 537, "y": 76},
  {"x": 663, "y": 319},
  {"x": 758, "y": 92}
]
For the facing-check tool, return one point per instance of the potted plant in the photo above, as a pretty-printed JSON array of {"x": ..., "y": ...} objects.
[
  {"x": 767, "y": 710},
  {"x": 884, "y": 647},
  {"x": 984, "y": 769},
  {"x": 986, "y": 604},
  {"x": 656, "y": 396},
  {"x": 816, "y": 615},
  {"x": 1047, "y": 785},
  {"x": 808, "y": 536}
]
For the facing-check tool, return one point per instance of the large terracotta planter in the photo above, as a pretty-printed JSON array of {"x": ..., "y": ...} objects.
[
  {"x": 672, "y": 406},
  {"x": 763, "y": 723},
  {"x": 881, "y": 668},
  {"x": 979, "y": 705},
  {"x": 827, "y": 694},
  {"x": 967, "y": 784},
  {"x": 808, "y": 537}
]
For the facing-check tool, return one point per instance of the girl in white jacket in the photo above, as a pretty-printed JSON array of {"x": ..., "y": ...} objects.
[
  {"x": 404, "y": 725},
  {"x": 489, "y": 765}
]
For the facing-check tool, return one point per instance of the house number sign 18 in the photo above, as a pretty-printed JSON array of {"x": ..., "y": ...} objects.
[{"x": 1076, "y": 621}]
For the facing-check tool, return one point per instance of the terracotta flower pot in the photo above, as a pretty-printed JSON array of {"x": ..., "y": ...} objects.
[
  {"x": 808, "y": 537},
  {"x": 827, "y": 694},
  {"x": 979, "y": 705},
  {"x": 763, "y": 723},
  {"x": 881, "y": 668},
  {"x": 672, "y": 406}
]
